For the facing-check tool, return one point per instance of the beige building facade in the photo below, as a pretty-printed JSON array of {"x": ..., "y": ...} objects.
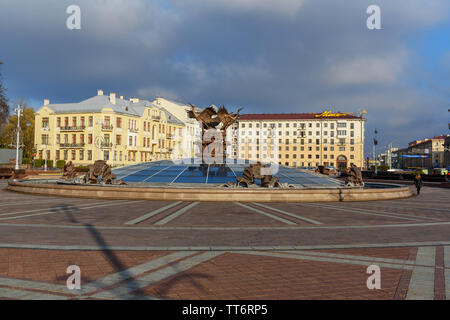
[
  {"x": 301, "y": 140},
  {"x": 120, "y": 131},
  {"x": 192, "y": 129}
]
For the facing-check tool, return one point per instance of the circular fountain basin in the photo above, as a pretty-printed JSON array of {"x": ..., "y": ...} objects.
[{"x": 187, "y": 181}]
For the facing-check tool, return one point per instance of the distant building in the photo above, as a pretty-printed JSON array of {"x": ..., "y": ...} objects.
[
  {"x": 301, "y": 139},
  {"x": 386, "y": 158},
  {"x": 447, "y": 152},
  {"x": 426, "y": 153}
]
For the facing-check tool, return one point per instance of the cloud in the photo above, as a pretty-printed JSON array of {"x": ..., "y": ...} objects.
[
  {"x": 279, "y": 7},
  {"x": 374, "y": 70}
]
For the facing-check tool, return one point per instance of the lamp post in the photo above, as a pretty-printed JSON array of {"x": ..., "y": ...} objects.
[
  {"x": 46, "y": 129},
  {"x": 375, "y": 142},
  {"x": 18, "y": 110}
]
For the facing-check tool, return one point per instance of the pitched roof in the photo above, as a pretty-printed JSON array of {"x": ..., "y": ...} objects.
[
  {"x": 296, "y": 116},
  {"x": 97, "y": 103}
]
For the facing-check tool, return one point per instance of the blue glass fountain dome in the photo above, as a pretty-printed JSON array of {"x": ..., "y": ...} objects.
[{"x": 187, "y": 172}]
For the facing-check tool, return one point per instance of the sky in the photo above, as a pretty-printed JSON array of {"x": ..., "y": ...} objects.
[{"x": 268, "y": 56}]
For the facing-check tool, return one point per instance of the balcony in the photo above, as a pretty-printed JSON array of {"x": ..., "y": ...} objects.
[
  {"x": 107, "y": 144},
  {"x": 156, "y": 118},
  {"x": 135, "y": 130},
  {"x": 72, "y": 128},
  {"x": 71, "y": 145},
  {"x": 107, "y": 127},
  {"x": 154, "y": 141}
]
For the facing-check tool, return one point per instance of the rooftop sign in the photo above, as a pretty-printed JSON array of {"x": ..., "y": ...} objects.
[{"x": 329, "y": 114}]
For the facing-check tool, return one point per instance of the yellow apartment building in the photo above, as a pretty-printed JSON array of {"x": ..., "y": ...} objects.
[
  {"x": 109, "y": 128},
  {"x": 301, "y": 139}
]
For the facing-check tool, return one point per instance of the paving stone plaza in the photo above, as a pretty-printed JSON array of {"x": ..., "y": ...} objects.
[{"x": 206, "y": 250}]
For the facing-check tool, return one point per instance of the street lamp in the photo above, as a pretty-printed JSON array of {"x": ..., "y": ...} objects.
[
  {"x": 375, "y": 142},
  {"x": 18, "y": 110},
  {"x": 46, "y": 129}
]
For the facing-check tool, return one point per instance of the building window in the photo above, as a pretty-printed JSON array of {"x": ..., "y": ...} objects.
[
  {"x": 44, "y": 122},
  {"x": 45, "y": 139},
  {"x": 66, "y": 157},
  {"x": 89, "y": 154},
  {"x": 57, "y": 155},
  {"x": 119, "y": 122},
  {"x": 352, "y": 125},
  {"x": 74, "y": 121},
  {"x": 58, "y": 122},
  {"x": 81, "y": 139},
  {"x": 81, "y": 154},
  {"x": 106, "y": 155},
  {"x": 90, "y": 138},
  {"x": 74, "y": 155},
  {"x": 118, "y": 139},
  {"x": 342, "y": 124},
  {"x": 83, "y": 124},
  {"x": 74, "y": 138},
  {"x": 107, "y": 121},
  {"x": 91, "y": 121}
]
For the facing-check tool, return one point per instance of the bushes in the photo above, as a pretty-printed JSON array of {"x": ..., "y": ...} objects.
[
  {"x": 26, "y": 161},
  {"x": 60, "y": 164},
  {"x": 82, "y": 169},
  {"x": 37, "y": 162},
  {"x": 41, "y": 162}
]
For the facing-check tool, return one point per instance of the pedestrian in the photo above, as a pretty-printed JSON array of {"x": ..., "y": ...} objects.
[{"x": 418, "y": 182}]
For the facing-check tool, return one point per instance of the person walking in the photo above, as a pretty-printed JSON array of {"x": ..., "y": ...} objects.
[{"x": 418, "y": 182}]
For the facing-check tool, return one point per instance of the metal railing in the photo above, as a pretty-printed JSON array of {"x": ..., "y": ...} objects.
[
  {"x": 72, "y": 128},
  {"x": 71, "y": 145},
  {"x": 108, "y": 127}
]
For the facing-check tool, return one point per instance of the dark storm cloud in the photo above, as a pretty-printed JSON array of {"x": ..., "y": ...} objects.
[{"x": 268, "y": 56}]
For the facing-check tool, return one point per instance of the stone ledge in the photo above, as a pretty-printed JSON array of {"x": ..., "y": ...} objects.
[{"x": 213, "y": 194}]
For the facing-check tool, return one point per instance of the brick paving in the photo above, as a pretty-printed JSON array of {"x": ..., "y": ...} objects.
[{"x": 224, "y": 250}]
